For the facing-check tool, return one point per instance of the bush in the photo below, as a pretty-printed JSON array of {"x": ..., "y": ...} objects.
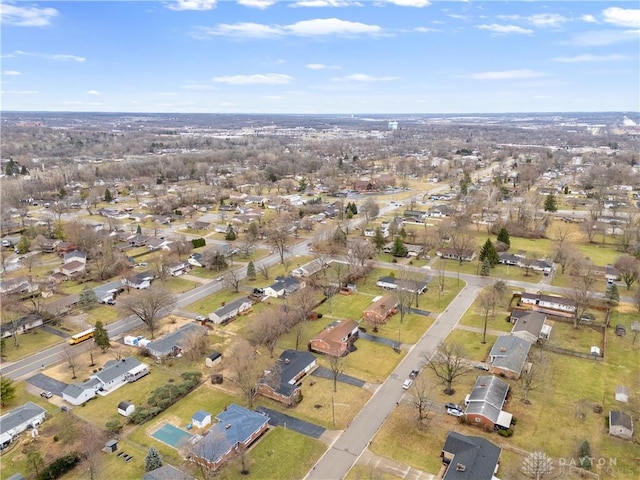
[
  {"x": 113, "y": 425},
  {"x": 56, "y": 438},
  {"x": 505, "y": 433},
  {"x": 59, "y": 467}
]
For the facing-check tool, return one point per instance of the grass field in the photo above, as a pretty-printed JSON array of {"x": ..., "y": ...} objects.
[{"x": 29, "y": 343}]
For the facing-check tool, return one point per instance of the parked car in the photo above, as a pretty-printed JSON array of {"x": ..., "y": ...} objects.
[
  {"x": 453, "y": 406},
  {"x": 46, "y": 394},
  {"x": 414, "y": 373},
  {"x": 454, "y": 412},
  {"x": 482, "y": 366},
  {"x": 407, "y": 383},
  {"x": 201, "y": 318}
]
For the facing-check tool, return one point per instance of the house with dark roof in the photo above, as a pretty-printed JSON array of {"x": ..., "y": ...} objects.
[
  {"x": 282, "y": 382},
  {"x": 469, "y": 458},
  {"x": 73, "y": 268},
  {"x": 173, "y": 344},
  {"x": 485, "y": 403},
  {"x": 408, "y": 284},
  {"x": 21, "y": 325},
  {"x": 201, "y": 419},
  {"x": 237, "y": 428},
  {"x": 17, "y": 285},
  {"x": 530, "y": 325},
  {"x": 19, "y": 419},
  {"x": 381, "y": 309},
  {"x": 620, "y": 425},
  {"x": 551, "y": 302},
  {"x": 337, "y": 339},
  {"x": 284, "y": 286},
  {"x": 167, "y": 472},
  {"x": 229, "y": 311},
  {"x": 466, "y": 255},
  {"x": 139, "y": 280},
  {"x": 508, "y": 356}
]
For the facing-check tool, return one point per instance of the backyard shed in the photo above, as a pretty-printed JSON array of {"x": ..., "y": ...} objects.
[
  {"x": 213, "y": 359},
  {"x": 201, "y": 419},
  {"x": 620, "y": 425},
  {"x": 111, "y": 446},
  {"x": 622, "y": 393},
  {"x": 126, "y": 408}
]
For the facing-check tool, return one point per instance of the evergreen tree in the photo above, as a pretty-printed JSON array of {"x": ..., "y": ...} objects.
[
  {"x": 139, "y": 230},
  {"x": 503, "y": 236},
  {"x": 88, "y": 298},
  {"x": 485, "y": 267},
  {"x": 231, "y": 234},
  {"x": 107, "y": 195},
  {"x": 489, "y": 252},
  {"x": 339, "y": 237},
  {"x": 550, "y": 203},
  {"x": 24, "y": 171},
  {"x": 7, "y": 391},
  {"x": 398, "y": 249},
  {"x": 101, "y": 337},
  {"x": 354, "y": 208},
  {"x": 378, "y": 239},
  {"x": 23, "y": 245},
  {"x": 612, "y": 295},
  {"x": 251, "y": 270},
  {"x": 153, "y": 459}
]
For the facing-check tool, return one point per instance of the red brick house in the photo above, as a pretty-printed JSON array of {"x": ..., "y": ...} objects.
[
  {"x": 383, "y": 308},
  {"x": 337, "y": 339},
  {"x": 485, "y": 403},
  {"x": 282, "y": 383}
]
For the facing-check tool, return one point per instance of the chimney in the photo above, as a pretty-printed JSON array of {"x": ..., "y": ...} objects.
[{"x": 287, "y": 361}]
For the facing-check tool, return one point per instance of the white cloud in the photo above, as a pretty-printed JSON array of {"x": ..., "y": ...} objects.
[
  {"x": 256, "y": 79},
  {"x": 244, "y": 30},
  {"x": 506, "y": 75},
  {"x": 26, "y": 16},
  {"x": 624, "y": 17},
  {"x": 544, "y": 20},
  {"x": 588, "y": 18},
  {"x": 326, "y": 3},
  {"x": 320, "y": 66},
  {"x": 198, "y": 5},
  {"x": 68, "y": 58},
  {"x": 426, "y": 30},
  {"x": 591, "y": 58},
  {"x": 11, "y": 73},
  {"x": 504, "y": 29},
  {"x": 260, "y": 4},
  {"x": 331, "y": 26},
  {"x": 93, "y": 92},
  {"x": 361, "y": 77},
  {"x": 410, "y": 3},
  {"x": 197, "y": 87},
  {"x": 596, "y": 38},
  {"x": 272, "y": 97}
]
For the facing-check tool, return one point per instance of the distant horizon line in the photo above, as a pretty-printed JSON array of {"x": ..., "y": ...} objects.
[{"x": 333, "y": 113}]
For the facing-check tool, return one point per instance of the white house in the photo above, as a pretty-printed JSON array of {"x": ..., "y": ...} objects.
[
  {"x": 18, "y": 420},
  {"x": 549, "y": 301},
  {"x": 231, "y": 310},
  {"x": 284, "y": 286},
  {"x": 117, "y": 373},
  {"x": 79, "y": 393},
  {"x": 140, "y": 280},
  {"x": 201, "y": 419}
]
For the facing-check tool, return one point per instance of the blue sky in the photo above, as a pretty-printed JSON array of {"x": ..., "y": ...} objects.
[{"x": 320, "y": 56}]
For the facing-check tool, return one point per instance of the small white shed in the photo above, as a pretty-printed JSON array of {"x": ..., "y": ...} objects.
[
  {"x": 201, "y": 419},
  {"x": 622, "y": 394},
  {"x": 126, "y": 408},
  {"x": 213, "y": 359}
]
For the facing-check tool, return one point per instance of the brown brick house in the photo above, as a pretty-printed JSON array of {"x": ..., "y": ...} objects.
[{"x": 337, "y": 339}]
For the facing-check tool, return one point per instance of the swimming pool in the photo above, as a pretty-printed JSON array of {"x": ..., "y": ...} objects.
[{"x": 171, "y": 435}]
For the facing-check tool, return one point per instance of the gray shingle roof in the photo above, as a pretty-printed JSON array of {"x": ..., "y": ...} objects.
[
  {"x": 19, "y": 415},
  {"x": 487, "y": 397},
  {"x": 478, "y": 457},
  {"x": 113, "y": 369},
  {"x": 509, "y": 353},
  {"x": 167, "y": 472},
  {"x": 164, "y": 345}
]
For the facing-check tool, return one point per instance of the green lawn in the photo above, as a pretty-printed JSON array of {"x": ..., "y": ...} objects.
[
  {"x": 434, "y": 300},
  {"x": 563, "y": 335},
  {"x": 600, "y": 254},
  {"x": 475, "y": 350},
  {"x": 474, "y": 317},
  {"x": 29, "y": 343}
]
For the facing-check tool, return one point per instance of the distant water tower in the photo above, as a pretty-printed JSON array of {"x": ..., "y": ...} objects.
[{"x": 393, "y": 125}]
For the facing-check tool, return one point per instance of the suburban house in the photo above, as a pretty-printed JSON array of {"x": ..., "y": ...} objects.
[
  {"x": 530, "y": 325},
  {"x": 466, "y": 458},
  {"x": 75, "y": 255},
  {"x": 382, "y": 308},
  {"x": 114, "y": 375},
  {"x": 173, "y": 344},
  {"x": 236, "y": 430},
  {"x": 196, "y": 260},
  {"x": 138, "y": 240},
  {"x": 154, "y": 243},
  {"x": 551, "y": 302},
  {"x": 485, "y": 403},
  {"x": 139, "y": 280},
  {"x": 508, "y": 356},
  {"x": 336, "y": 339},
  {"x": 310, "y": 269},
  {"x": 21, "y": 325},
  {"x": 177, "y": 268},
  {"x": 231, "y": 310},
  {"x": 284, "y": 286},
  {"x": 167, "y": 472},
  {"x": 520, "y": 260},
  {"x": 201, "y": 419},
  {"x": 48, "y": 245},
  {"x": 18, "y": 285},
  {"x": 281, "y": 383},
  {"x": 415, "y": 215},
  {"x": 63, "y": 248},
  {"x": 72, "y": 268},
  {"x": 408, "y": 284},
  {"x": 620, "y": 425},
  {"x": 18, "y": 420},
  {"x": 609, "y": 272},
  {"x": 466, "y": 254}
]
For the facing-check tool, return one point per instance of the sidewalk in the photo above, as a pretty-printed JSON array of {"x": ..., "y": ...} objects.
[
  {"x": 497, "y": 333},
  {"x": 385, "y": 465}
]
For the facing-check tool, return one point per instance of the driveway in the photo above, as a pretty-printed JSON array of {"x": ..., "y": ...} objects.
[
  {"x": 323, "y": 372},
  {"x": 45, "y": 382},
  {"x": 54, "y": 331},
  {"x": 381, "y": 340},
  {"x": 281, "y": 420}
]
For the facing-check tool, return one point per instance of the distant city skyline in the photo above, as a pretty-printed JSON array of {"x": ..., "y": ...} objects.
[{"x": 320, "y": 56}]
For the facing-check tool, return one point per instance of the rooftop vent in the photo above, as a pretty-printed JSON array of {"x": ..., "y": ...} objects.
[
  {"x": 460, "y": 467},
  {"x": 227, "y": 426}
]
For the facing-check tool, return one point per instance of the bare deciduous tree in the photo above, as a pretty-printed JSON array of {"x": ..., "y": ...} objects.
[
  {"x": 448, "y": 364},
  {"x": 266, "y": 328},
  {"x": 420, "y": 400},
  {"x": 279, "y": 235},
  {"x": 232, "y": 280},
  {"x": 336, "y": 365},
  {"x": 71, "y": 357},
  {"x": 247, "y": 368},
  {"x": 148, "y": 305},
  {"x": 628, "y": 267},
  {"x": 533, "y": 375}
]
